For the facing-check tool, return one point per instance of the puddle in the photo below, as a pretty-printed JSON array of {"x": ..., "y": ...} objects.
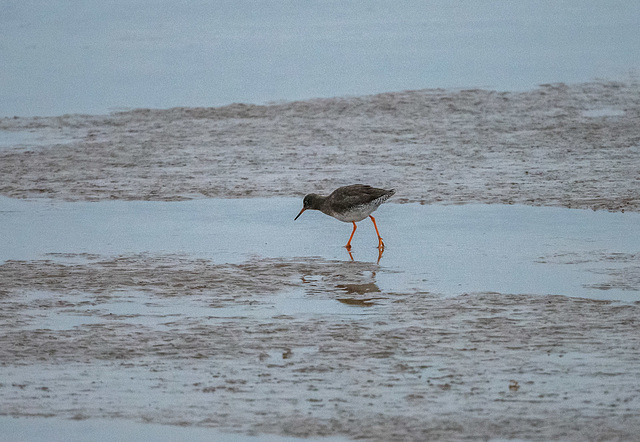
[
  {"x": 36, "y": 429},
  {"x": 35, "y": 138},
  {"x": 442, "y": 249},
  {"x": 603, "y": 112}
]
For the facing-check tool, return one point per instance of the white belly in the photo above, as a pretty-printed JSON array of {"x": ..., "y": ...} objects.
[{"x": 356, "y": 214}]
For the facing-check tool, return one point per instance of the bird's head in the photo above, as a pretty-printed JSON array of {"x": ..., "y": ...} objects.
[{"x": 310, "y": 201}]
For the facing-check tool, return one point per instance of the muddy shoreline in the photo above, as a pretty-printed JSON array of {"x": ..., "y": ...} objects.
[
  {"x": 560, "y": 145},
  {"x": 150, "y": 314},
  {"x": 402, "y": 366}
]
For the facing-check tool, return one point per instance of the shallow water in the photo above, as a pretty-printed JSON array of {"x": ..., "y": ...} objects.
[
  {"x": 34, "y": 138},
  {"x": 39, "y": 429},
  {"x": 447, "y": 250},
  {"x": 60, "y": 58},
  {"x": 477, "y": 321}
]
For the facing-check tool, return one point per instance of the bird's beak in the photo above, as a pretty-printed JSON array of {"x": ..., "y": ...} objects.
[{"x": 299, "y": 214}]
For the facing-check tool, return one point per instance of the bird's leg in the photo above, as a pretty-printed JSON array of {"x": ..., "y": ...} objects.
[
  {"x": 380, "y": 243},
  {"x": 350, "y": 254},
  {"x": 348, "y": 246}
]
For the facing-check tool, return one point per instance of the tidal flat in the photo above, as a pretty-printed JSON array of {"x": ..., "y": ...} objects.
[{"x": 151, "y": 271}]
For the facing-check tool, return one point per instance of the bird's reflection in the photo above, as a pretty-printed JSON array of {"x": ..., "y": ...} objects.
[
  {"x": 380, "y": 252},
  {"x": 358, "y": 290},
  {"x": 352, "y": 284},
  {"x": 369, "y": 302}
]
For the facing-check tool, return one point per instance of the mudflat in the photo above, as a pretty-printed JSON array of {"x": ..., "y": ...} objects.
[
  {"x": 559, "y": 145},
  {"x": 209, "y": 308}
]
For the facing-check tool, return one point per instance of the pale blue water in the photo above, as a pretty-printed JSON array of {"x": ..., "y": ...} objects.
[
  {"x": 448, "y": 250},
  {"x": 40, "y": 429},
  {"x": 93, "y": 57}
]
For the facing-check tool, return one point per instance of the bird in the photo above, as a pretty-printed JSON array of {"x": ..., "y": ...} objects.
[{"x": 349, "y": 204}]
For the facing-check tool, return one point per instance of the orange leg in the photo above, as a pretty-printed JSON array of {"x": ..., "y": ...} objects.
[
  {"x": 348, "y": 246},
  {"x": 380, "y": 243}
]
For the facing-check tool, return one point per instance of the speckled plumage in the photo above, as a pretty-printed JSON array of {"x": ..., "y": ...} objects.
[{"x": 354, "y": 203}]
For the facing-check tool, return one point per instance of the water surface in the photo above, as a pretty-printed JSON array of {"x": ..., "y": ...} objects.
[
  {"x": 448, "y": 250},
  {"x": 61, "y": 57}
]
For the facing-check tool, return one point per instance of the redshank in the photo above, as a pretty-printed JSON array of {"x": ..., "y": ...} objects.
[{"x": 349, "y": 204}]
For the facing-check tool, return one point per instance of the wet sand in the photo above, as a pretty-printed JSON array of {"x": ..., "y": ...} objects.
[
  {"x": 571, "y": 146},
  {"x": 227, "y": 315},
  {"x": 166, "y": 339}
]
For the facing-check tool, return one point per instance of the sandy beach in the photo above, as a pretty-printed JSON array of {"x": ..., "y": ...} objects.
[{"x": 495, "y": 313}]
